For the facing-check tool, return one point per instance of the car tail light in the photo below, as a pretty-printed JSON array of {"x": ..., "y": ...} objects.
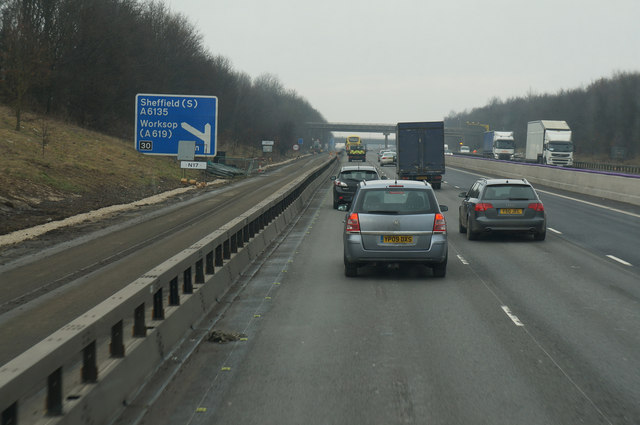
[
  {"x": 353, "y": 223},
  {"x": 339, "y": 183},
  {"x": 483, "y": 206},
  {"x": 439, "y": 224},
  {"x": 536, "y": 206}
]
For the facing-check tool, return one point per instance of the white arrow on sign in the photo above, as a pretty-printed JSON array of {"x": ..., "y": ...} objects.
[{"x": 205, "y": 137}]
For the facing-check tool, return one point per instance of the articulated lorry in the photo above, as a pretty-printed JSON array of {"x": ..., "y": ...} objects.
[
  {"x": 549, "y": 142},
  {"x": 499, "y": 145},
  {"x": 420, "y": 151},
  {"x": 355, "y": 149}
]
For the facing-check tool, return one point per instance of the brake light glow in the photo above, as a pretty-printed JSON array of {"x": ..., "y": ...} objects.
[
  {"x": 483, "y": 206},
  {"x": 339, "y": 183},
  {"x": 536, "y": 206},
  {"x": 439, "y": 224},
  {"x": 353, "y": 223}
]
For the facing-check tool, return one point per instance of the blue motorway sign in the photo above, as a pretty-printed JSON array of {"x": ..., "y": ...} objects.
[{"x": 164, "y": 120}]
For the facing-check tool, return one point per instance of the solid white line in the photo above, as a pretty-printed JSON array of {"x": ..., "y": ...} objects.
[
  {"x": 461, "y": 258},
  {"x": 512, "y": 316},
  {"x": 555, "y": 231},
  {"x": 590, "y": 203},
  {"x": 621, "y": 261}
]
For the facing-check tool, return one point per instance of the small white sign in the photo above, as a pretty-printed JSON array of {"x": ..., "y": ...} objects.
[
  {"x": 267, "y": 143},
  {"x": 194, "y": 165},
  {"x": 267, "y": 149},
  {"x": 296, "y": 147}
]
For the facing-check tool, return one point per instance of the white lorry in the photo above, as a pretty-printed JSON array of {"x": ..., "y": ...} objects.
[
  {"x": 549, "y": 142},
  {"x": 498, "y": 145}
]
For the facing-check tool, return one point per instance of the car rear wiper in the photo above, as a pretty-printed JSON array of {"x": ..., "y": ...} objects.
[
  {"x": 519, "y": 199},
  {"x": 383, "y": 212}
]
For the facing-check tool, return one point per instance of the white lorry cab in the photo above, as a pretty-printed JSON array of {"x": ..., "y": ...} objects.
[{"x": 549, "y": 142}]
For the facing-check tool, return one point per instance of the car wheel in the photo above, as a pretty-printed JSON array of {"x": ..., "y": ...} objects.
[
  {"x": 440, "y": 270},
  {"x": 470, "y": 235},
  {"x": 540, "y": 236},
  {"x": 350, "y": 269},
  {"x": 335, "y": 204},
  {"x": 461, "y": 228},
  {"x": 437, "y": 185}
]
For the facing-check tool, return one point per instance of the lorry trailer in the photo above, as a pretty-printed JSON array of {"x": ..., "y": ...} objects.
[{"x": 420, "y": 151}]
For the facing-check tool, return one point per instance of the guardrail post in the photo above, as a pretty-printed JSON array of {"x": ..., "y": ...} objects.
[
  {"x": 10, "y": 415},
  {"x": 158, "y": 307},
  {"x": 187, "y": 285},
  {"x": 219, "y": 259},
  {"x": 200, "y": 271},
  {"x": 233, "y": 243},
  {"x": 89, "y": 364},
  {"x": 54, "y": 393},
  {"x": 245, "y": 233},
  {"x": 139, "y": 325},
  {"x": 174, "y": 293},
  {"x": 116, "y": 347},
  {"x": 240, "y": 238},
  {"x": 226, "y": 250},
  {"x": 210, "y": 268}
]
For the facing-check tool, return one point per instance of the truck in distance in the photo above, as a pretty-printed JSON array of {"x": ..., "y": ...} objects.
[
  {"x": 420, "y": 151},
  {"x": 549, "y": 142},
  {"x": 498, "y": 145},
  {"x": 355, "y": 149}
]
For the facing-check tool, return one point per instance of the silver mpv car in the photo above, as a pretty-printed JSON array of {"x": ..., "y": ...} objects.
[{"x": 395, "y": 222}]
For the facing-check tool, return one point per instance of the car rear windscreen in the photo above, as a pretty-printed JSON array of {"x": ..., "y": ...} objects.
[
  {"x": 508, "y": 192},
  {"x": 359, "y": 175},
  {"x": 396, "y": 201}
]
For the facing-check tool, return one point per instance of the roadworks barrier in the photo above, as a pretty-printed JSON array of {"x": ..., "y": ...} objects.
[{"x": 89, "y": 370}]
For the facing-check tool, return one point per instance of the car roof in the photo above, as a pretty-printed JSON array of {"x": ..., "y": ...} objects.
[
  {"x": 410, "y": 184},
  {"x": 507, "y": 181},
  {"x": 358, "y": 167}
]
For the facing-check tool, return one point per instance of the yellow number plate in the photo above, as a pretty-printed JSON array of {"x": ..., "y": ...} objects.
[
  {"x": 397, "y": 239},
  {"x": 511, "y": 211}
]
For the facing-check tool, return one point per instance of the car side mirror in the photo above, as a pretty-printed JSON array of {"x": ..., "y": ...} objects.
[
  {"x": 462, "y": 195},
  {"x": 385, "y": 178},
  {"x": 444, "y": 208},
  {"x": 333, "y": 177}
]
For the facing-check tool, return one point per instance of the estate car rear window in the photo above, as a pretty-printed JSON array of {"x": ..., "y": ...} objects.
[
  {"x": 396, "y": 201},
  {"x": 508, "y": 192},
  {"x": 359, "y": 175}
]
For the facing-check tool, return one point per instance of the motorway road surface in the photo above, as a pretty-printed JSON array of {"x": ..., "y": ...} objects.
[
  {"x": 47, "y": 289},
  {"x": 519, "y": 332}
]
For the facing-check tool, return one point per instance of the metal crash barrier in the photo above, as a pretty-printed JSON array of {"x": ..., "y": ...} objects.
[{"x": 87, "y": 371}]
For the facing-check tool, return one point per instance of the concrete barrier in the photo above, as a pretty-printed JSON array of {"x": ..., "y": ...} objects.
[
  {"x": 86, "y": 372},
  {"x": 617, "y": 187}
]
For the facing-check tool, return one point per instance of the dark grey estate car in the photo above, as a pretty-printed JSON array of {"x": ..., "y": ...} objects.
[
  {"x": 502, "y": 205},
  {"x": 346, "y": 182},
  {"x": 395, "y": 222}
]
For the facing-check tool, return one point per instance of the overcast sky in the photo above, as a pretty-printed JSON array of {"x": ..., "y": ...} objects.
[{"x": 390, "y": 61}]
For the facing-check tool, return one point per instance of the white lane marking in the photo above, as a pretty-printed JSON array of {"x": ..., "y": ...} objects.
[
  {"x": 462, "y": 260},
  {"x": 554, "y": 230},
  {"x": 563, "y": 196},
  {"x": 512, "y": 316},
  {"x": 590, "y": 203},
  {"x": 619, "y": 260}
]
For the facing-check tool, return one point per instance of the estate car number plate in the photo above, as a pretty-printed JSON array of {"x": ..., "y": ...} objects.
[
  {"x": 397, "y": 239},
  {"x": 511, "y": 211}
]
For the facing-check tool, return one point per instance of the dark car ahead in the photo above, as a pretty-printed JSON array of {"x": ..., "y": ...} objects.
[
  {"x": 346, "y": 182},
  {"x": 395, "y": 222},
  {"x": 502, "y": 205}
]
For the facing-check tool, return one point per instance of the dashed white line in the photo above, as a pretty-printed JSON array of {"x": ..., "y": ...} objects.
[
  {"x": 512, "y": 316},
  {"x": 554, "y": 230},
  {"x": 462, "y": 260},
  {"x": 619, "y": 260}
]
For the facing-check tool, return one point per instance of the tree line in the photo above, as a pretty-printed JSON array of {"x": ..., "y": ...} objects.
[
  {"x": 603, "y": 116},
  {"x": 85, "y": 60}
]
